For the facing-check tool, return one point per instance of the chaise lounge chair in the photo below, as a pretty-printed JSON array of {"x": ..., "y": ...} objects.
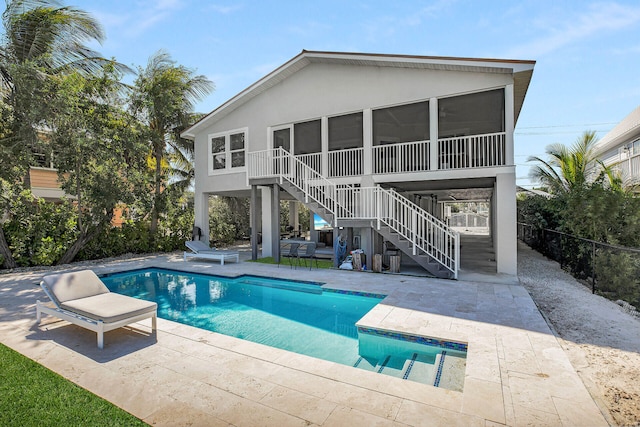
[
  {"x": 201, "y": 250},
  {"x": 81, "y": 298}
]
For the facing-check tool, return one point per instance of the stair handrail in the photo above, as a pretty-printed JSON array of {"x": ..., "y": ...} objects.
[
  {"x": 414, "y": 225},
  {"x": 311, "y": 183}
]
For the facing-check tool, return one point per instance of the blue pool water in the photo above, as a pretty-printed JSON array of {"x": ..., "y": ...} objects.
[
  {"x": 294, "y": 316},
  {"x": 301, "y": 317}
]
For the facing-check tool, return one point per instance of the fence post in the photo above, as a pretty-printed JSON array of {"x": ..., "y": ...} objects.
[{"x": 593, "y": 268}]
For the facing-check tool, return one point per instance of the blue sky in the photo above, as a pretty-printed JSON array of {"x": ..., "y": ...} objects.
[{"x": 587, "y": 75}]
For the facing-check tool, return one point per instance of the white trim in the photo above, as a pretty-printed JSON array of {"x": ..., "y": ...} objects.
[{"x": 227, "y": 151}]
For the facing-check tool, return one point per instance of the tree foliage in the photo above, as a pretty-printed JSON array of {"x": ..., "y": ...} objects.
[
  {"x": 588, "y": 202},
  {"x": 62, "y": 99},
  {"x": 572, "y": 168},
  {"x": 163, "y": 98}
]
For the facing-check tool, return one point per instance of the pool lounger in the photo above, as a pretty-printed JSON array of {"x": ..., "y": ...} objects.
[
  {"x": 201, "y": 250},
  {"x": 81, "y": 298}
]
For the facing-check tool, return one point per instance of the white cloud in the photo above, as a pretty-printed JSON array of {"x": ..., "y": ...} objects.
[
  {"x": 225, "y": 10},
  {"x": 598, "y": 18}
]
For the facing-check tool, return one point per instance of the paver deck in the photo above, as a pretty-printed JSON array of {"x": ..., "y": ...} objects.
[{"x": 516, "y": 374}]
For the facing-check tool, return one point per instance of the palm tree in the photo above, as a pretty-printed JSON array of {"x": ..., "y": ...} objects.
[
  {"x": 51, "y": 36},
  {"x": 41, "y": 38},
  {"x": 163, "y": 99},
  {"x": 572, "y": 168}
]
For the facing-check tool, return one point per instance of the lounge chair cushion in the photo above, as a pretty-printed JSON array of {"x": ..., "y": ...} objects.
[
  {"x": 75, "y": 285},
  {"x": 199, "y": 246},
  {"x": 109, "y": 307}
]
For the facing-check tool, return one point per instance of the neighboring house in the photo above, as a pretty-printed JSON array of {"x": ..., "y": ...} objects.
[
  {"x": 43, "y": 177},
  {"x": 620, "y": 148},
  {"x": 45, "y": 184},
  {"x": 375, "y": 145}
]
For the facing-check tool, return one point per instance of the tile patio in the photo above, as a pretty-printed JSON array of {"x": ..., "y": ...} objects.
[{"x": 517, "y": 373}]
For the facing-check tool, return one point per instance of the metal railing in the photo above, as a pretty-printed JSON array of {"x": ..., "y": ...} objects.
[
  {"x": 313, "y": 160},
  {"x": 402, "y": 157},
  {"x": 347, "y": 162},
  {"x": 613, "y": 271},
  {"x": 278, "y": 163},
  {"x": 426, "y": 233},
  {"x": 472, "y": 151}
]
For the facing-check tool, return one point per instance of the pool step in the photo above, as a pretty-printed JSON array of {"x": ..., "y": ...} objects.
[{"x": 419, "y": 367}]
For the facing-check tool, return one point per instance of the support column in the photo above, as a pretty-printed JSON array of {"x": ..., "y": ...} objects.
[
  {"x": 253, "y": 213},
  {"x": 275, "y": 222},
  {"x": 505, "y": 224},
  {"x": 201, "y": 214},
  {"x": 367, "y": 245},
  {"x": 367, "y": 141},
  {"x": 324, "y": 142},
  {"x": 293, "y": 215},
  {"x": 509, "y": 125},
  {"x": 267, "y": 213},
  {"x": 433, "y": 133}
]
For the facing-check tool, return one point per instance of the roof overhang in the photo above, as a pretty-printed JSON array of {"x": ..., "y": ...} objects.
[
  {"x": 625, "y": 131},
  {"x": 521, "y": 70}
]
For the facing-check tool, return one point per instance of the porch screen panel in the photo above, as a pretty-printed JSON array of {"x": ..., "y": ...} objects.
[
  {"x": 345, "y": 145},
  {"x": 471, "y": 130},
  {"x": 403, "y": 123},
  {"x": 282, "y": 138},
  {"x": 400, "y": 136},
  {"x": 473, "y": 114},
  {"x": 307, "y": 138}
]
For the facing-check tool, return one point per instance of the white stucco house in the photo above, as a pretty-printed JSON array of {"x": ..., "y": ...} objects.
[
  {"x": 375, "y": 144},
  {"x": 620, "y": 148}
]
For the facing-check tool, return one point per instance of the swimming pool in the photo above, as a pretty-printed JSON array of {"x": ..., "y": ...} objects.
[{"x": 297, "y": 316}]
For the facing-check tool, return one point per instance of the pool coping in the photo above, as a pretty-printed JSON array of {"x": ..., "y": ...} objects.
[{"x": 516, "y": 370}]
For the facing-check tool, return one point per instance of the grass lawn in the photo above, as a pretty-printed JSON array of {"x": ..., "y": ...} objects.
[
  {"x": 32, "y": 395},
  {"x": 322, "y": 263}
]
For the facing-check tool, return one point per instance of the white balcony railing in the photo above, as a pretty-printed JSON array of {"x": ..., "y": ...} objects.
[
  {"x": 473, "y": 151},
  {"x": 313, "y": 161},
  {"x": 346, "y": 162},
  {"x": 402, "y": 157}
]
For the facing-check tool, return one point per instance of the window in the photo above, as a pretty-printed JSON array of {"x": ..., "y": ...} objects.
[
  {"x": 217, "y": 150},
  {"x": 237, "y": 149},
  {"x": 227, "y": 150},
  {"x": 403, "y": 123}
]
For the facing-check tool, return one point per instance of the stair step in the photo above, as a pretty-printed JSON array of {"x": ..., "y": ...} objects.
[
  {"x": 422, "y": 368},
  {"x": 370, "y": 365},
  {"x": 451, "y": 369},
  {"x": 393, "y": 366}
]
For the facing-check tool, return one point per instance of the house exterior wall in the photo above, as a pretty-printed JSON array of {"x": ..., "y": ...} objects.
[
  {"x": 321, "y": 90},
  {"x": 620, "y": 148},
  {"x": 324, "y": 89}
]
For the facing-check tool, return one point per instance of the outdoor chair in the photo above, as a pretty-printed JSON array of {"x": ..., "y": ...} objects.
[
  {"x": 83, "y": 299},
  {"x": 200, "y": 249},
  {"x": 292, "y": 253},
  {"x": 310, "y": 254}
]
